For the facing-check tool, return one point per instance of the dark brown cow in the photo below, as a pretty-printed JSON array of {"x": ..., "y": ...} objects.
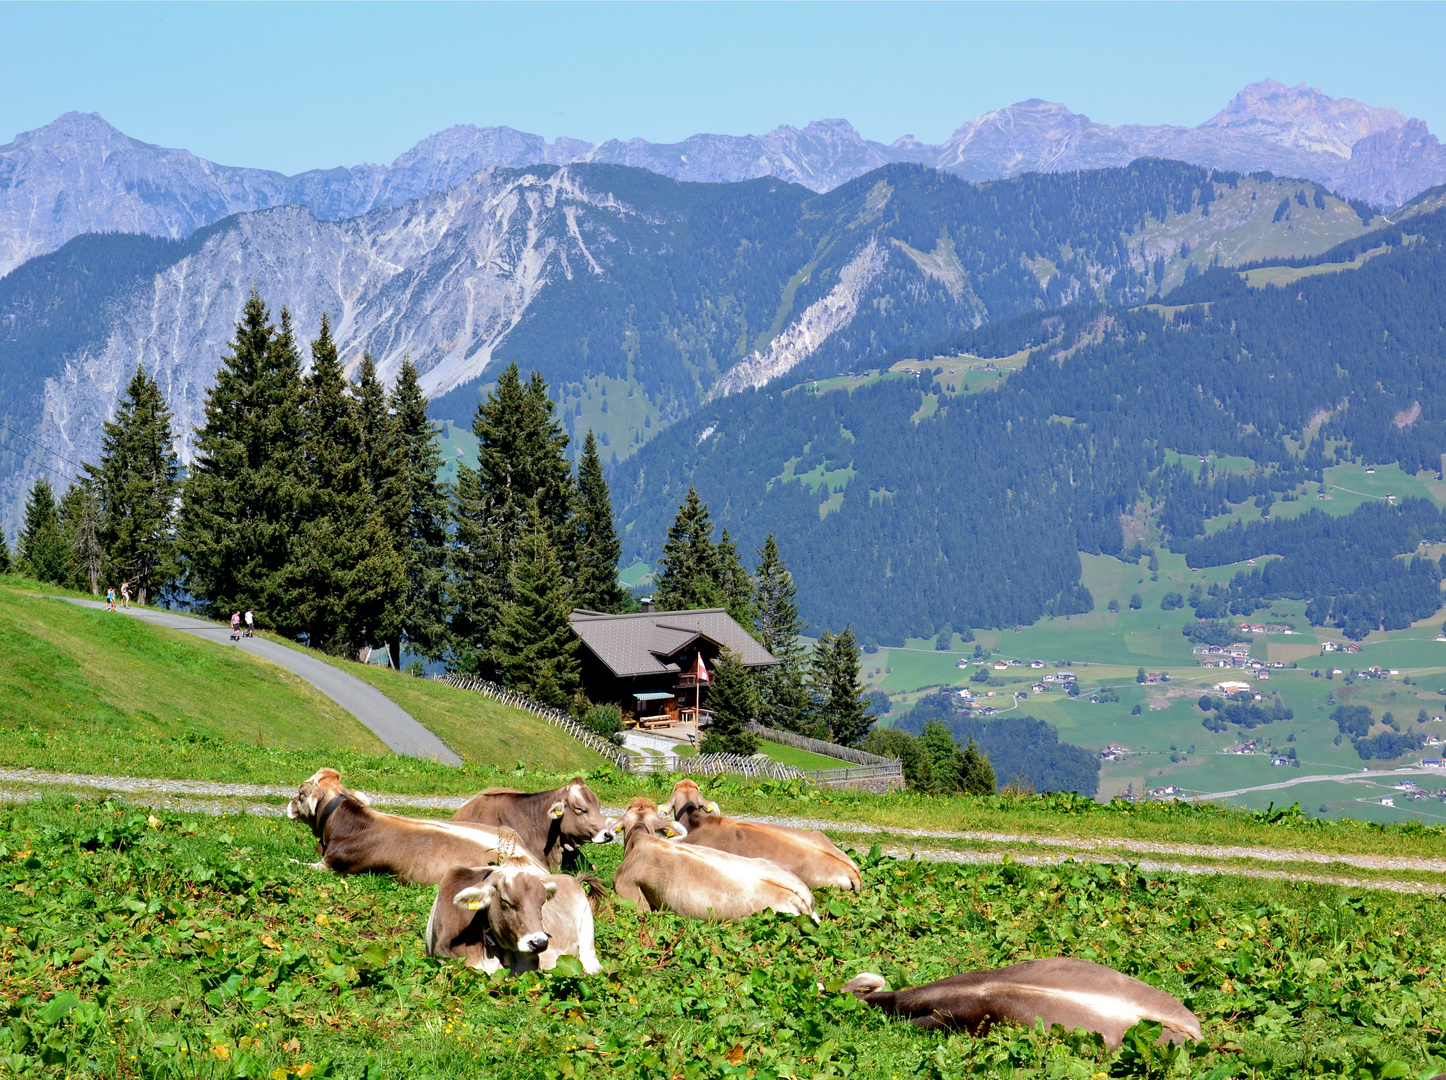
[
  {"x": 514, "y": 916},
  {"x": 1059, "y": 990},
  {"x": 352, "y": 838},
  {"x": 550, "y": 824},
  {"x": 808, "y": 853}
]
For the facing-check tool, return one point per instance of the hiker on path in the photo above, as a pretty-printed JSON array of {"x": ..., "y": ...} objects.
[
  {"x": 110, "y": 598},
  {"x": 250, "y": 624},
  {"x": 235, "y": 626},
  {"x": 126, "y": 592}
]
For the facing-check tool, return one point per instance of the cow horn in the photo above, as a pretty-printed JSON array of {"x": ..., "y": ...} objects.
[{"x": 550, "y": 888}]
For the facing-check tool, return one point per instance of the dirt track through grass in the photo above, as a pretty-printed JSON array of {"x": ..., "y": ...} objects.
[{"x": 219, "y": 798}]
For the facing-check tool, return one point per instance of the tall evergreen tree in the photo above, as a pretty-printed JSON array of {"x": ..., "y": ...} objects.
[
  {"x": 44, "y": 554},
  {"x": 597, "y": 549},
  {"x": 80, "y": 522},
  {"x": 521, "y": 467},
  {"x": 783, "y": 697},
  {"x": 690, "y": 564},
  {"x": 837, "y": 689},
  {"x": 423, "y": 544},
  {"x": 736, "y": 585},
  {"x": 976, "y": 774},
  {"x": 534, "y": 647},
  {"x": 733, "y": 701},
  {"x": 379, "y": 442},
  {"x": 6, "y": 564},
  {"x": 344, "y": 575},
  {"x": 241, "y": 500},
  {"x": 136, "y": 487}
]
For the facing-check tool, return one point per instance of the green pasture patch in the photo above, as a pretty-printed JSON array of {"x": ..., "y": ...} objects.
[
  {"x": 196, "y": 947},
  {"x": 1218, "y": 464},
  {"x": 1280, "y": 276},
  {"x": 82, "y": 688},
  {"x": 803, "y": 759},
  {"x": 636, "y": 574},
  {"x": 457, "y": 446}
]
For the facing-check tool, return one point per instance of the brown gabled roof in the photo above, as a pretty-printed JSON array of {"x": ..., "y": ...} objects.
[{"x": 649, "y": 642}]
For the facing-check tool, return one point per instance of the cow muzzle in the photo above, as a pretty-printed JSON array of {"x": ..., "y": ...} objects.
[{"x": 534, "y": 943}]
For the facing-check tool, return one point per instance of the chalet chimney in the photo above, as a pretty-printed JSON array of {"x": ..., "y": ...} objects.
[{"x": 646, "y": 603}]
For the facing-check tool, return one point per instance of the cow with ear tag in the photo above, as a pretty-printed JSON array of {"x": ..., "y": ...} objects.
[
  {"x": 685, "y": 791},
  {"x": 550, "y": 825},
  {"x": 1058, "y": 990},
  {"x": 513, "y": 915}
]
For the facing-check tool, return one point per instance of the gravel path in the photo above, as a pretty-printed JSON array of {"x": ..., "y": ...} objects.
[
  {"x": 388, "y": 721},
  {"x": 1364, "y": 774},
  {"x": 195, "y": 796}
]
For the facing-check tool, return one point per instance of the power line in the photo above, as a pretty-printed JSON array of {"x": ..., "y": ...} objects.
[
  {"x": 41, "y": 445},
  {"x": 35, "y": 461}
]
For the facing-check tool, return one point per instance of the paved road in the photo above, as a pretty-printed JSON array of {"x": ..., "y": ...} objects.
[
  {"x": 1364, "y": 774},
  {"x": 388, "y": 721}
]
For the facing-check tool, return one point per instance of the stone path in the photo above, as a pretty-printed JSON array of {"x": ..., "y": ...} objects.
[
  {"x": 195, "y": 796},
  {"x": 398, "y": 729}
]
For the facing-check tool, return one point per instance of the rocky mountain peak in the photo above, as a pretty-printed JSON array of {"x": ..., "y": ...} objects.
[{"x": 1304, "y": 118}]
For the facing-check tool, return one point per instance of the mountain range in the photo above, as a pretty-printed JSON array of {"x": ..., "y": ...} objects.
[
  {"x": 637, "y": 296},
  {"x": 79, "y": 174}
]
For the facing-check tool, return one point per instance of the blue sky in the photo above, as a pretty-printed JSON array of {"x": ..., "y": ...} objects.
[{"x": 298, "y": 86}]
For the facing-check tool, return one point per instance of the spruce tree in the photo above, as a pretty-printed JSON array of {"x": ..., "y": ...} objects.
[
  {"x": 976, "y": 774},
  {"x": 942, "y": 751},
  {"x": 597, "y": 550},
  {"x": 344, "y": 575},
  {"x": 521, "y": 467},
  {"x": 80, "y": 522},
  {"x": 736, "y": 585},
  {"x": 43, "y": 552},
  {"x": 783, "y": 697},
  {"x": 242, "y": 497},
  {"x": 690, "y": 564},
  {"x": 534, "y": 648},
  {"x": 136, "y": 484},
  {"x": 423, "y": 545},
  {"x": 6, "y": 565},
  {"x": 837, "y": 689},
  {"x": 733, "y": 701}
]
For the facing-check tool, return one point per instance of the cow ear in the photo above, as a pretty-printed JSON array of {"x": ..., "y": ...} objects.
[
  {"x": 557, "y": 809},
  {"x": 550, "y": 888},
  {"x": 713, "y": 808},
  {"x": 667, "y": 810},
  {"x": 474, "y": 899}
]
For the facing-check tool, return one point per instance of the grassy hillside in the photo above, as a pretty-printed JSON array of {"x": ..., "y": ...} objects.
[
  {"x": 235, "y": 960},
  {"x": 87, "y": 691}
]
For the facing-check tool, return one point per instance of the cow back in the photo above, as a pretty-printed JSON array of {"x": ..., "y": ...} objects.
[{"x": 810, "y": 856}]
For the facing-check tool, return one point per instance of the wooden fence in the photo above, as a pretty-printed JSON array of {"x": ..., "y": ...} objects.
[
  {"x": 556, "y": 717},
  {"x": 818, "y": 746}
]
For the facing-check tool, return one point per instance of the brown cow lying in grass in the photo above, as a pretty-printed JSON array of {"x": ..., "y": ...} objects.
[
  {"x": 549, "y": 824},
  {"x": 699, "y": 882},
  {"x": 514, "y": 916},
  {"x": 809, "y": 854},
  {"x": 1059, "y": 990},
  {"x": 352, "y": 838},
  {"x": 685, "y": 792}
]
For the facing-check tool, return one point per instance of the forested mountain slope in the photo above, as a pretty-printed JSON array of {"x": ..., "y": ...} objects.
[
  {"x": 636, "y": 296},
  {"x": 905, "y": 507}
]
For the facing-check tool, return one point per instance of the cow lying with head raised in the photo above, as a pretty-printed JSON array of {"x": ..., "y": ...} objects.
[
  {"x": 352, "y": 838},
  {"x": 697, "y": 881},
  {"x": 1059, "y": 990},
  {"x": 685, "y": 792},
  {"x": 514, "y": 916},
  {"x": 548, "y": 823},
  {"x": 809, "y": 854}
]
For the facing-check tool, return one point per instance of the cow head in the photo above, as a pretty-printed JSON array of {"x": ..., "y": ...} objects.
[
  {"x": 692, "y": 817},
  {"x": 643, "y": 819},
  {"x": 510, "y": 898},
  {"x": 315, "y": 793},
  {"x": 579, "y": 815},
  {"x": 685, "y": 792}
]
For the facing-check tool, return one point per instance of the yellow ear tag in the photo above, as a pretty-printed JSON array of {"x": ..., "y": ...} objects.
[
  {"x": 669, "y": 833},
  {"x": 474, "y": 905}
]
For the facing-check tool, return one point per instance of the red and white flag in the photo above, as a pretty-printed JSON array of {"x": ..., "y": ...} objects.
[{"x": 702, "y": 673}]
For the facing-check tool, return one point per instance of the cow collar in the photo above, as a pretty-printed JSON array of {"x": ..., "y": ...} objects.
[{"x": 319, "y": 826}]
